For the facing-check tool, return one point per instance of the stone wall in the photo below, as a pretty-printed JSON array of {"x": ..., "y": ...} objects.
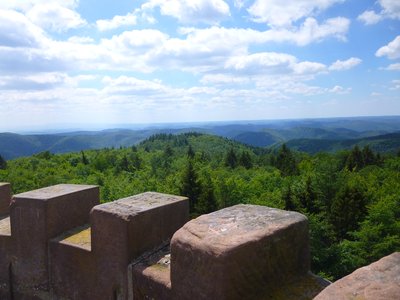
[{"x": 60, "y": 243}]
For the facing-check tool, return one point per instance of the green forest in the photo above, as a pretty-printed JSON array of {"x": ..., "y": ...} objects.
[{"x": 351, "y": 198}]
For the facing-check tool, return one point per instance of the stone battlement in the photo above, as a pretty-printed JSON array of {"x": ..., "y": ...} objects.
[{"x": 60, "y": 243}]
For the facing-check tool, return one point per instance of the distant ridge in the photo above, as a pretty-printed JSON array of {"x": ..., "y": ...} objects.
[
  {"x": 381, "y": 143},
  {"x": 309, "y": 135}
]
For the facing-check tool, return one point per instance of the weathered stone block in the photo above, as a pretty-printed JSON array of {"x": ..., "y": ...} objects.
[
  {"x": 73, "y": 270},
  {"x": 378, "y": 281},
  {"x": 38, "y": 216},
  {"x": 151, "y": 276},
  {"x": 238, "y": 252},
  {"x": 5, "y": 254},
  {"x": 5, "y": 198},
  {"x": 126, "y": 228},
  {"x": 139, "y": 223}
]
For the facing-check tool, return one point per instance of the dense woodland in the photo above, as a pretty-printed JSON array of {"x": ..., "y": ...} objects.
[{"x": 351, "y": 197}]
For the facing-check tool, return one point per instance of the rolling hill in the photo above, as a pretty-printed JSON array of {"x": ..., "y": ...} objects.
[{"x": 309, "y": 135}]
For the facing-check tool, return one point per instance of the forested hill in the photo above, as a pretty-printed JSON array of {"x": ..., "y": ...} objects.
[
  {"x": 310, "y": 136},
  {"x": 351, "y": 198},
  {"x": 381, "y": 143}
]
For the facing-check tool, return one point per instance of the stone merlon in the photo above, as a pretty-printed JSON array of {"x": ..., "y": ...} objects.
[{"x": 60, "y": 243}]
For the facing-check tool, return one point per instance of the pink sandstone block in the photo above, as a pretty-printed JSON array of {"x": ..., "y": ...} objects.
[
  {"x": 238, "y": 252},
  {"x": 38, "y": 216},
  {"x": 121, "y": 231},
  {"x": 5, "y": 198},
  {"x": 5, "y": 256},
  {"x": 377, "y": 281},
  {"x": 151, "y": 276},
  {"x": 137, "y": 224},
  {"x": 73, "y": 269}
]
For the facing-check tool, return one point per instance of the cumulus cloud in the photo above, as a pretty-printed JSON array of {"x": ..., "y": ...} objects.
[
  {"x": 25, "y": 5},
  {"x": 393, "y": 67},
  {"x": 310, "y": 31},
  {"x": 389, "y": 9},
  {"x": 369, "y": 17},
  {"x": 116, "y": 22},
  {"x": 39, "y": 81},
  {"x": 280, "y": 13},
  {"x": 17, "y": 31},
  {"x": 125, "y": 85},
  {"x": 341, "y": 65},
  {"x": 396, "y": 85},
  {"x": 192, "y": 11},
  {"x": 261, "y": 63},
  {"x": 54, "y": 17},
  {"x": 391, "y": 50},
  {"x": 136, "y": 41},
  {"x": 308, "y": 67},
  {"x": 337, "y": 89}
]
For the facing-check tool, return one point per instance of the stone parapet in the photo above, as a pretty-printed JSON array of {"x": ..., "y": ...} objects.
[
  {"x": 377, "y": 281},
  {"x": 35, "y": 218},
  {"x": 92, "y": 262},
  {"x": 60, "y": 243},
  {"x": 238, "y": 252},
  {"x": 5, "y": 198}
]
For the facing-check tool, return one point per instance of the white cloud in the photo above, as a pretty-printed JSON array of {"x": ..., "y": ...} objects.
[
  {"x": 389, "y": 9},
  {"x": 272, "y": 63},
  {"x": 261, "y": 63},
  {"x": 393, "y": 67},
  {"x": 307, "y": 67},
  {"x": 125, "y": 85},
  {"x": 17, "y": 31},
  {"x": 55, "y": 17},
  {"x": 239, "y": 3},
  {"x": 391, "y": 50},
  {"x": 223, "y": 79},
  {"x": 280, "y": 13},
  {"x": 310, "y": 31},
  {"x": 42, "y": 81},
  {"x": 203, "y": 50},
  {"x": 396, "y": 85},
  {"x": 81, "y": 39},
  {"x": 116, "y": 22},
  {"x": 337, "y": 89},
  {"x": 369, "y": 17},
  {"x": 25, "y": 5},
  {"x": 136, "y": 41},
  {"x": 341, "y": 65},
  {"x": 192, "y": 11}
]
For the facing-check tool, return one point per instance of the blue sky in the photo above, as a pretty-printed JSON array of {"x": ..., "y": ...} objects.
[{"x": 87, "y": 63}]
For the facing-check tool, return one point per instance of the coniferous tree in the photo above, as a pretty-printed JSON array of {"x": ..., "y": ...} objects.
[
  {"x": 231, "y": 159},
  {"x": 190, "y": 152},
  {"x": 286, "y": 162},
  {"x": 368, "y": 156},
  {"x": 308, "y": 197},
  {"x": 3, "y": 163},
  {"x": 124, "y": 163},
  {"x": 287, "y": 196},
  {"x": 167, "y": 157},
  {"x": 245, "y": 160},
  {"x": 85, "y": 161},
  {"x": 348, "y": 209},
  {"x": 207, "y": 202},
  {"x": 355, "y": 159},
  {"x": 190, "y": 186}
]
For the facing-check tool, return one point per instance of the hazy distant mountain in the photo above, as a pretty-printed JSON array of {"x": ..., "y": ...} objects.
[
  {"x": 309, "y": 135},
  {"x": 381, "y": 143}
]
